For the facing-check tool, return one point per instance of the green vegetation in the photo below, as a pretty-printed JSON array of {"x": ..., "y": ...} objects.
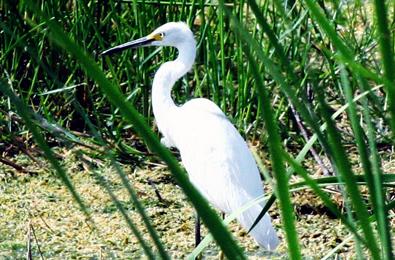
[{"x": 307, "y": 79}]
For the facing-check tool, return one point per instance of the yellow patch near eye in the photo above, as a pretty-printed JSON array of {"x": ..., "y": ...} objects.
[{"x": 156, "y": 36}]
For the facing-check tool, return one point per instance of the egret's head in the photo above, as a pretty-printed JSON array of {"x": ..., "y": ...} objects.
[{"x": 172, "y": 34}]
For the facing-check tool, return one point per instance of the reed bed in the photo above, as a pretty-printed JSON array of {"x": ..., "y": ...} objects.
[{"x": 306, "y": 80}]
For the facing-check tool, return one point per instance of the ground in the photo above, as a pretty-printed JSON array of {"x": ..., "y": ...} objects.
[{"x": 39, "y": 208}]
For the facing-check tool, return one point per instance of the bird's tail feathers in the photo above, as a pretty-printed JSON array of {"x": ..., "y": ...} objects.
[{"x": 263, "y": 232}]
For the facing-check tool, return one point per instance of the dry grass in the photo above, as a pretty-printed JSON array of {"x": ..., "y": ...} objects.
[{"x": 62, "y": 231}]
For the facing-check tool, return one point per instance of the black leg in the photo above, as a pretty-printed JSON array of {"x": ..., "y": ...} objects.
[
  {"x": 221, "y": 254},
  {"x": 197, "y": 230}
]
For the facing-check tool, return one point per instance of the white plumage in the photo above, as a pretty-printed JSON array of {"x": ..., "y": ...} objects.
[{"x": 216, "y": 157}]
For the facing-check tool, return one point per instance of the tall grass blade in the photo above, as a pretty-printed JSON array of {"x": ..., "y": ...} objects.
[
  {"x": 379, "y": 181},
  {"x": 346, "y": 54},
  {"x": 323, "y": 127},
  {"x": 387, "y": 56},
  {"x": 314, "y": 185},
  {"x": 343, "y": 169},
  {"x": 286, "y": 208},
  {"x": 361, "y": 146},
  {"x": 285, "y": 85},
  {"x": 374, "y": 180}
]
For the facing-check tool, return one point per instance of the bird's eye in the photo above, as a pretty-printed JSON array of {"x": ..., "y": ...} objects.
[{"x": 158, "y": 36}]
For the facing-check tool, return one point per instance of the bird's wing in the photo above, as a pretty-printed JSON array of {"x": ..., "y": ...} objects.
[
  {"x": 220, "y": 164},
  {"x": 215, "y": 156}
]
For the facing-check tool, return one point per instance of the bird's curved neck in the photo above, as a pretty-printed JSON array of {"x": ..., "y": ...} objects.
[{"x": 164, "y": 80}]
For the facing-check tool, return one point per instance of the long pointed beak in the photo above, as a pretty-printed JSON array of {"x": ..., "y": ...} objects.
[{"x": 145, "y": 41}]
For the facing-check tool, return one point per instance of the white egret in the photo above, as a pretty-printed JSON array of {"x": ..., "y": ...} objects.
[{"x": 216, "y": 157}]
